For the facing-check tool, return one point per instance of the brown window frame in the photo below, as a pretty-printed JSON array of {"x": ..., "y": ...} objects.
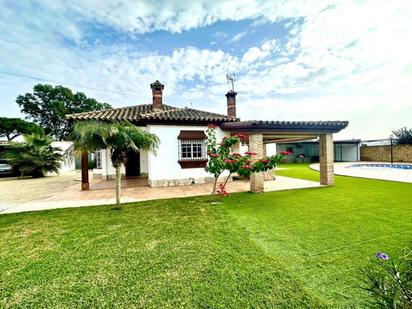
[{"x": 192, "y": 140}]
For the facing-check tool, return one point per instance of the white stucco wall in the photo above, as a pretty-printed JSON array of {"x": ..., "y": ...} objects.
[
  {"x": 108, "y": 171},
  {"x": 144, "y": 162},
  {"x": 164, "y": 165},
  {"x": 68, "y": 163}
]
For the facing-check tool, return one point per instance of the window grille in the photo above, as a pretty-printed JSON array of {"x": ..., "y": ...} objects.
[
  {"x": 98, "y": 158},
  {"x": 192, "y": 149}
]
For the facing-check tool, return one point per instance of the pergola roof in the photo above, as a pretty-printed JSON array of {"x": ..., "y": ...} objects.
[{"x": 302, "y": 127}]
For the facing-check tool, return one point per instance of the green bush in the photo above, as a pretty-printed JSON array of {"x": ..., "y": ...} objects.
[{"x": 34, "y": 157}]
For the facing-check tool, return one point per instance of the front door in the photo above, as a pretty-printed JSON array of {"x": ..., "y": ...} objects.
[{"x": 133, "y": 164}]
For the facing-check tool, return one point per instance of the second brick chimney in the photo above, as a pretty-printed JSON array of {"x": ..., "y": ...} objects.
[
  {"x": 157, "y": 93},
  {"x": 231, "y": 103}
]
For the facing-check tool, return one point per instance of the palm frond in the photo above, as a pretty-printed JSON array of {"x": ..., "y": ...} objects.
[
  {"x": 35, "y": 156},
  {"x": 120, "y": 137}
]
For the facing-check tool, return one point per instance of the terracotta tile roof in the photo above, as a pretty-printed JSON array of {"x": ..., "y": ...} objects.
[
  {"x": 145, "y": 112},
  {"x": 290, "y": 126}
]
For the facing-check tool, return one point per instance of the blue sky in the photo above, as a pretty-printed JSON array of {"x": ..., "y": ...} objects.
[{"x": 295, "y": 60}]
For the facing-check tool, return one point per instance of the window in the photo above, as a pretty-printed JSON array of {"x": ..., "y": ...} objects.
[
  {"x": 98, "y": 158},
  {"x": 192, "y": 149}
]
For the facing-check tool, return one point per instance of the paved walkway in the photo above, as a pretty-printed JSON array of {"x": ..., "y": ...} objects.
[
  {"x": 102, "y": 192},
  {"x": 392, "y": 174}
]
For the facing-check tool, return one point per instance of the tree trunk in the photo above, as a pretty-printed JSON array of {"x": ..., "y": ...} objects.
[
  {"x": 37, "y": 173},
  {"x": 85, "y": 170},
  {"x": 118, "y": 184},
  {"x": 227, "y": 178},
  {"x": 214, "y": 186}
]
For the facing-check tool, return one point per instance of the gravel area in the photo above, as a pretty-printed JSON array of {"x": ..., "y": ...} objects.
[{"x": 16, "y": 190}]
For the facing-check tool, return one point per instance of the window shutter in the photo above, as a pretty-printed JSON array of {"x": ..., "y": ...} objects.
[
  {"x": 192, "y": 149},
  {"x": 185, "y": 134}
]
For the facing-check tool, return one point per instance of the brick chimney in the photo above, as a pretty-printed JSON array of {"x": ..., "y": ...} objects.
[
  {"x": 157, "y": 89},
  {"x": 231, "y": 103}
]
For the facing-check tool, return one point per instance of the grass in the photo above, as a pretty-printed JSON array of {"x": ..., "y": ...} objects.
[{"x": 296, "y": 249}]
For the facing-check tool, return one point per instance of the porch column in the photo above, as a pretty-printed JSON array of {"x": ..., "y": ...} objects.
[
  {"x": 256, "y": 145},
  {"x": 85, "y": 170},
  {"x": 326, "y": 159}
]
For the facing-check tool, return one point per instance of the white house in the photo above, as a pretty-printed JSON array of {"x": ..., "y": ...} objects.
[{"x": 182, "y": 153}]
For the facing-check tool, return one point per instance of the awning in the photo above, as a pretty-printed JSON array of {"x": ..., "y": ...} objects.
[{"x": 185, "y": 134}]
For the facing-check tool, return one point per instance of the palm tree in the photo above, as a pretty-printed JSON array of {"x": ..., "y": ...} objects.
[
  {"x": 35, "y": 156},
  {"x": 119, "y": 137}
]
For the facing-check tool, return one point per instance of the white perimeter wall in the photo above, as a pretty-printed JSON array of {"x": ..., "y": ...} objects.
[
  {"x": 164, "y": 165},
  {"x": 68, "y": 163}
]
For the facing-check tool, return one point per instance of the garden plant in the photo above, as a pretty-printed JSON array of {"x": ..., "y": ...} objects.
[
  {"x": 35, "y": 156},
  {"x": 389, "y": 280},
  {"x": 119, "y": 137},
  {"x": 221, "y": 159}
]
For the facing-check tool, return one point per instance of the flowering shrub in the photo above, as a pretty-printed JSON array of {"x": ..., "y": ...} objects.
[
  {"x": 221, "y": 190},
  {"x": 222, "y": 159},
  {"x": 389, "y": 280}
]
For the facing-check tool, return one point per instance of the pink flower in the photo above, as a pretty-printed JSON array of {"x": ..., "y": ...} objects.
[
  {"x": 246, "y": 167},
  {"x": 250, "y": 153},
  {"x": 214, "y": 155},
  {"x": 285, "y": 153},
  {"x": 229, "y": 161},
  {"x": 265, "y": 161},
  {"x": 222, "y": 190},
  {"x": 236, "y": 154},
  {"x": 241, "y": 136}
]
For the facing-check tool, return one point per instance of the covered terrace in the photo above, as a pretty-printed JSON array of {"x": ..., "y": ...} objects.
[{"x": 262, "y": 133}]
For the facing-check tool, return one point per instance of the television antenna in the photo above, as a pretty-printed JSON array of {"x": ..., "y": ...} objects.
[{"x": 231, "y": 78}]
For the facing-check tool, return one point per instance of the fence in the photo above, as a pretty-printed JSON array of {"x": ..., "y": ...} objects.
[{"x": 386, "y": 150}]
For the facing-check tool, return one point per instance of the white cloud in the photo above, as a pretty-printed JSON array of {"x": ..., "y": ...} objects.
[
  {"x": 238, "y": 37},
  {"x": 256, "y": 53},
  {"x": 349, "y": 61},
  {"x": 176, "y": 16}
]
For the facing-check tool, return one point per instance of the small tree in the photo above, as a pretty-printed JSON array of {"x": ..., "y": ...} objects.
[
  {"x": 402, "y": 136},
  {"x": 119, "y": 137},
  {"x": 221, "y": 159},
  {"x": 13, "y": 127},
  {"x": 36, "y": 156}
]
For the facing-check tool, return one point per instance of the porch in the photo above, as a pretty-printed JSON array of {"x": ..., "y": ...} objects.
[{"x": 261, "y": 133}]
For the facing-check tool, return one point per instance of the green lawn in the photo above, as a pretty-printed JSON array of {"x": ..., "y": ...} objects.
[{"x": 300, "y": 248}]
